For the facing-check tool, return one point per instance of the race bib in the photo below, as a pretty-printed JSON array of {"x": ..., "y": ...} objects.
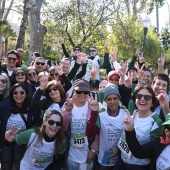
[
  {"x": 79, "y": 142},
  {"x": 123, "y": 146}
]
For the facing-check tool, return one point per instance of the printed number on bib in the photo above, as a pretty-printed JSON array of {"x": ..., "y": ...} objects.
[
  {"x": 79, "y": 142},
  {"x": 123, "y": 146}
]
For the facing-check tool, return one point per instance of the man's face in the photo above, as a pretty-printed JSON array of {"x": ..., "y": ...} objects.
[
  {"x": 40, "y": 65},
  {"x": 159, "y": 85},
  {"x": 147, "y": 78},
  {"x": 76, "y": 51},
  {"x": 93, "y": 52},
  {"x": 66, "y": 66},
  {"x": 112, "y": 101},
  {"x": 114, "y": 79},
  {"x": 80, "y": 96},
  {"x": 12, "y": 60}
]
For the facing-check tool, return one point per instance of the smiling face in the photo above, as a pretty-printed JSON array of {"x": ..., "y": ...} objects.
[
  {"x": 20, "y": 76},
  {"x": 112, "y": 101},
  {"x": 3, "y": 84},
  {"x": 54, "y": 93},
  {"x": 144, "y": 106},
  {"x": 159, "y": 85},
  {"x": 147, "y": 78},
  {"x": 12, "y": 60},
  {"x": 40, "y": 65},
  {"x": 114, "y": 79},
  {"x": 32, "y": 75},
  {"x": 66, "y": 66},
  {"x": 19, "y": 95},
  {"x": 81, "y": 98},
  {"x": 51, "y": 130}
]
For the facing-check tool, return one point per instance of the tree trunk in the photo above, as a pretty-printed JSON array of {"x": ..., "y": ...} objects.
[
  {"x": 157, "y": 19},
  {"x": 6, "y": 46},
  {"x": 37, "y": 31},
  {"x": 21, "y": 36}
]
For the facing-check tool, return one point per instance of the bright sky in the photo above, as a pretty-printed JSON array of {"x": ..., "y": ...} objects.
[{"x": 163, "y": 16}]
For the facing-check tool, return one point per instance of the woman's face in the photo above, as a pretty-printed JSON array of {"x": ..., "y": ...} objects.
[
  {"x": 144, "y": 100},
  {"x": 20, "y": 76},
  {"x": 54, "y": 75},
  {"x": 3, "y": 83},
  {"x": 19, "y": 96},
  {"x": 53, "y": 124},
  {"x": 102, "y": 87},
  {"x": 54, "y": 92},
  {"x": 32, "y": 75},
  {"x": 167, "y": 133}
]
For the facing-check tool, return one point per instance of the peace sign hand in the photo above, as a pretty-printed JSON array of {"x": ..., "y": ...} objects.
[
  {"x": 94, "y": 104},
  {"x": 10, "y": 134},
  {"x": 129, "y": 121},
  {"x": 68, "y": 105},
  {"x": 58, "y": 68}
]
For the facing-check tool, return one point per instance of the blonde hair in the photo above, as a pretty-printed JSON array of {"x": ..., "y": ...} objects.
[{"x": 8, "y": 86}]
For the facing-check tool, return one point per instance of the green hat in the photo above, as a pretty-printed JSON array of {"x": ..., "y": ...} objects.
[{"x": 167, "y": 121}]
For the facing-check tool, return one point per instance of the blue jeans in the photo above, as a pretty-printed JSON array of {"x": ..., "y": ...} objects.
[{"x": 79, "y": 166}]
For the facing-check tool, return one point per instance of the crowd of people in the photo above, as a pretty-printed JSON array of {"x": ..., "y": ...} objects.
[{"x": 65, "y": 116}]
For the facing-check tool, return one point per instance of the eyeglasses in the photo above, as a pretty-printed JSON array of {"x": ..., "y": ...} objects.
[
  {"x": 40, "y": 63},
  {"x": 3, "y": 81},
  {"x": 54, "y": 89},
  {"x": 33, "y": 73},
  {"x": 20, "y": 73},
  {"x": 146, "y": 97},
  {"x": 52, "y": 75},
  {"x": 10, "y": 58},
  {"x": 111, "y": 80},
  {"x": 19, "y": 92},
  {"x": 76, "y": 49},
  {"x": 51, "y": 122},
  {"x": 92, "y": 50},
  {"x": 84, "y": 92}
]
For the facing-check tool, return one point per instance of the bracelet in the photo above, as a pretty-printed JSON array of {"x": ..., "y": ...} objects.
[{"x": 94, "y": 151}]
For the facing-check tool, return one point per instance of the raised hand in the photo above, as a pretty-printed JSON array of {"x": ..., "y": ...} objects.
[
  {"x": 20, "y": 51},
  {"x": 62, "y": 40},
  {"x": 113, "y": 55},
  {"x": 68, "y": 105},
  {"x": 128, "y": 81},
  {"x": 10, "y": 134},
  {"x": 83, "y": 57},
  {"x": 123, "y": 70},
  {"x": 106, "y": 48},
  {"x": 94, "y": 71},
  {"x": 137, "y": 53},
  {"x": 94, "y": 103},
  {"x": 58, "y": 68},
  {"x": 129, "y": 121},
  {"x": 43, "y": 80},
  {"x": 161, "y": 60}
]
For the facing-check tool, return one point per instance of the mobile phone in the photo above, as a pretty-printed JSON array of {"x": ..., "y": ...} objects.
[{"x": 105, "y": 159}]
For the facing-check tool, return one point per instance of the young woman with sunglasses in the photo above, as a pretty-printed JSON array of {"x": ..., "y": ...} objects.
[
  {"x": 157, "y": 150},
  {"x": 42, "y": 144},
  {"x": 4, "y": 86},
  {"x": 32, "y": 76},
  {"x": 147, "y": 125},
  {"x": 20, "y": 76},
  {"x": 14, "y": 111}
]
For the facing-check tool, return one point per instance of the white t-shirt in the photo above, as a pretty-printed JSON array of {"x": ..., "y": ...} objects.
[
  {"x": 17, "y": 121},
  {"x": 143, "y": 128},
  {"x": 9, "y": 72},
  {"x": 163, "y": 161},
  {"x": 110, "y": 132},
  {"x": 38, "y": 156},
  {"x": 78, "y": 142}
]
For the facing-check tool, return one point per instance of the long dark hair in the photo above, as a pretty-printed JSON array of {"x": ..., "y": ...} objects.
[
  {"x": 26, "y": 101},
  {"x": 59, "y": 134}
]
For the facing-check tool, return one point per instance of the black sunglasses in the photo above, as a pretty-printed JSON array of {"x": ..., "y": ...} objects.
[
  {"x": 58, "y": 123},
  {"x": 3, "y": 81},
  {"x": 92, "y": 50},
  {"x": 52, "y": 75},
  {"x": 40, "y": 63},
  {"x": 14, "y": 59},
  {"x": 76, "y": 49},
  {"x": 20, "y": 73},
  {"x": 19, "y": 92},
  {"x": 146, "y": 97},
  {"x": 54, "y": 89},
  {"x": 33, "y": 73},
  {"x": 84, "y": 92}
]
